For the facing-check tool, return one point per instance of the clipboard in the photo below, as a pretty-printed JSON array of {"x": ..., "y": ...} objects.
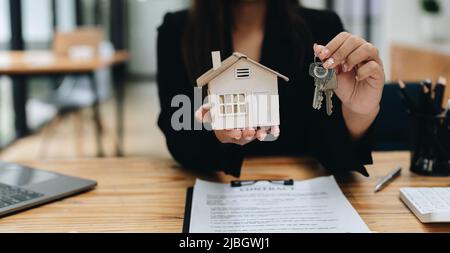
[
  {"x": 187, "y": 210},
  {"x": 234, "y": 184}
]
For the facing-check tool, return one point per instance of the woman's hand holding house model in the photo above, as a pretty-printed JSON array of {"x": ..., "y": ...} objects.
[{"x": 236, "y": 136}]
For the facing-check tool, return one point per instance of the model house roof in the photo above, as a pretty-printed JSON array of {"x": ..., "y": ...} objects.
[{"x": 229, "y": 62}]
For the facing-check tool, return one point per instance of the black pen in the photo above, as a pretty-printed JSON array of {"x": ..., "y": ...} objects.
[
  {"x": 439, "y": 92},
  {"x": 429, "y": 84},
  {"x": 428, "y": 90},
  {"x": 427, "y": 101},
  {"x": 447, "y": 116},
  {"x": 412, "y": 106}
]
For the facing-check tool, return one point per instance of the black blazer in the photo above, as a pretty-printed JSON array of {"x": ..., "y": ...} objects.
[{"x": 303, "y": 129}]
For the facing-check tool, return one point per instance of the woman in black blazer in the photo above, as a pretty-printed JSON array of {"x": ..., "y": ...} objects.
[{"x": 283, "y": 36}]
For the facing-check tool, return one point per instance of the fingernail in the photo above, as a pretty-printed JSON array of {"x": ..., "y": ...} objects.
[
  {"x": 262, "y": 137},
  {"x": 248, "y": 138},
  {"x": 328, "y": 63},
  {"x": 324, "y": 53},
  {"x": 345, "y": 67}
]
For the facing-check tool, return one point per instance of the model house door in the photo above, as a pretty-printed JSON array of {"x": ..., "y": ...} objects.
[{"x": 261, "y": 109}]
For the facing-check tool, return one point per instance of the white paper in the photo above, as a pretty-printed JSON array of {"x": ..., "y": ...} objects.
[{"x": 311, "y": 206}]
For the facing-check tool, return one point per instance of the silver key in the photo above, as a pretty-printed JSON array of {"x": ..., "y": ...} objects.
[
  {"x": 318, "y": 95},
  {"x": 321, "y": 76},
  {"x": 318, "y": 98},
  {"x": 333, "y": 83},
  {"x": 330, "y": 87},
  {"x": 329, "y": 101},
  {"x": 325, "y": 82}
]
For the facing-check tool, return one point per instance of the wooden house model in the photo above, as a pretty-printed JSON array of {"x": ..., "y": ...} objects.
[{"x": 242, "y": 93}]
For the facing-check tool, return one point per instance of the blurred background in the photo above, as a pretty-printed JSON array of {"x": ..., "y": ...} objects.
[{"x": 54, "y": 117}]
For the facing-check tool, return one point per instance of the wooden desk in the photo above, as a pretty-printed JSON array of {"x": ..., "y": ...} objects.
[
  {"x": 20, "y": 65},
  {"x": 45, "y": 62},
  {"x": 148, "y": 195}
]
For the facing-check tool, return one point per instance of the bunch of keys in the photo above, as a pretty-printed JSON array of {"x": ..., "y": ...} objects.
[{"x": 325, "y": 81}]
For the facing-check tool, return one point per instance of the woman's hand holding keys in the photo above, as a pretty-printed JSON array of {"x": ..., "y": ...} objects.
[
  {"x": 360, "y": 71},
  {"x": 360, "y": 76}
]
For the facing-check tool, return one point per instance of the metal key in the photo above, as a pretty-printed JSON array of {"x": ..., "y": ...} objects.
[
  {"x": 329, "y": 101},
  {"x": 329, "y": 89},
  {"x": 318, "y": 98},
  {"x": 318, "y": 94},
  {"x": 322, "y": 77},
  {"x": 325, "y": 82}
]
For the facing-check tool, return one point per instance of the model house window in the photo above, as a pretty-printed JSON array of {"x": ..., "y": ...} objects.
[
  {"x": 232, "y": 105},
  {"x": 242, "y": 73}
]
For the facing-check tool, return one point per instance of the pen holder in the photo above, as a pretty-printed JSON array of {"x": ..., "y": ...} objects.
[{"x": 431, "y": 145}]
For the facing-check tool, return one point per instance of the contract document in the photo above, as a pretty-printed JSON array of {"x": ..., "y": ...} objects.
[{"x": 310, "y": 206}]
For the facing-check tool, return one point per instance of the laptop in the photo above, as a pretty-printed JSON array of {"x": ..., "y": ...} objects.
[{"x": 23, "y": 188}]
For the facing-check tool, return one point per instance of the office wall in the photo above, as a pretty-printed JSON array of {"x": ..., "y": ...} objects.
[
  {"x": 37, "y": 21},
  {"x": 5, "y": 33},
  {"x": 6, "y": 112},
  {"x": 65, "y": 14},
  {"x": 402, "y": 21},
  {"x": 352, "y": 13},
  {"x": 144, "y": 18}
]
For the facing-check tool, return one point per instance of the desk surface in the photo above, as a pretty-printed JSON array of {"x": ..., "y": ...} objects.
[
  {"x": 45, "y": 62},
  {"x": 148, "y": 195}
]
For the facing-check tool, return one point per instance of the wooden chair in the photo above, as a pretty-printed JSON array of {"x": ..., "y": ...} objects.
[
  {"x": 414, "y": 63},
  {"x": 63, "y": 43}
]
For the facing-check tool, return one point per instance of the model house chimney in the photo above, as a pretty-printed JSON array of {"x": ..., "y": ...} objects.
[{"x": 217, "y": 61}]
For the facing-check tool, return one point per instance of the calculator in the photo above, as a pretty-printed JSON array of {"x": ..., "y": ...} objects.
[{"x": 430, "y": 205}]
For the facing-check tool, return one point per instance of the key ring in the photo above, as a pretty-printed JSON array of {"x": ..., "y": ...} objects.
[
  {"x": 317, "y": 64},
  {"x": 315, "y": 60}
]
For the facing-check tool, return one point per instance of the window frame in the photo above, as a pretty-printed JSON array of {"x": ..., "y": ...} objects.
[{"x": 224, "y": 102}]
